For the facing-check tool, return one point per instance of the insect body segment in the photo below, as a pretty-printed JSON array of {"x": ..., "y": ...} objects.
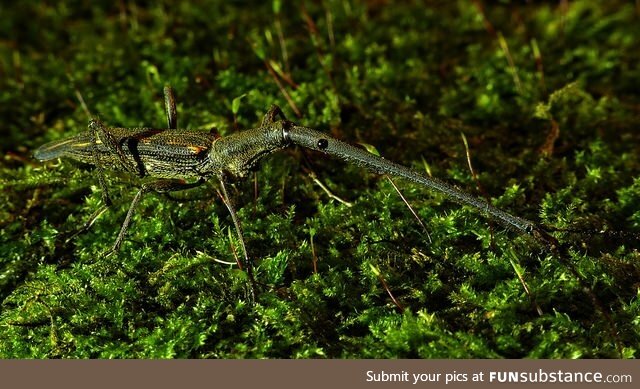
[
  {"x": 147, "y": 152},
  {"x": 238, "y": 153}
]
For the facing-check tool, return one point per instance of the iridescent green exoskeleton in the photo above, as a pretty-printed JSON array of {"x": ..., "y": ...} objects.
[{"x": 182, "y": 159}]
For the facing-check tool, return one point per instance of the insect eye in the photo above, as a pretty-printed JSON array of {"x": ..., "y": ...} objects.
[{"x": 323, "y": 144}]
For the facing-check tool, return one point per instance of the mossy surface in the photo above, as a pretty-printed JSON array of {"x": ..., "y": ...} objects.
[{"x": 546, "y": 95}]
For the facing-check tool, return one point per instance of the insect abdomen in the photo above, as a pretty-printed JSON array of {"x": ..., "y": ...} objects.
[
  {"x": 68, "y": 147},
  {"x": 148, "y": 152}
]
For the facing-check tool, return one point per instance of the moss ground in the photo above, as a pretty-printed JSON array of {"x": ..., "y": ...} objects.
[{"x": 546, "y": 95}]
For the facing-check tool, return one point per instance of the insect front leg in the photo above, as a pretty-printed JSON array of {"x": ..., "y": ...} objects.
[
  {"x": 94, "y": 216},
  {"x": 99, "y": 132},
  {"x": 271, "y": 116},
  {"x": 160, "y": 186}
]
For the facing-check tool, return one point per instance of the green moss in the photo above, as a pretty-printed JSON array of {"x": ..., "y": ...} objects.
[{"x": 547, "y": 99}]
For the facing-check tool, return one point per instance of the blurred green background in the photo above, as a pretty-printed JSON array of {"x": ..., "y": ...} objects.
[{"x": 545, "y": 96}]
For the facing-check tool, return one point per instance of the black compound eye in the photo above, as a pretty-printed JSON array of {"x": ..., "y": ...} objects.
[{"x": 323, "y": 144}]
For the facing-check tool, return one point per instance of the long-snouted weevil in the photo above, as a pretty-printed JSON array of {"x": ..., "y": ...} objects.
[{"x": 182, "y": 159}]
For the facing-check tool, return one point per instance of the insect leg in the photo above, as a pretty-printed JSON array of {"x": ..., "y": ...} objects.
[
  {"x": 236, "y": 223},
  {"x": 271, "y": 115},
  {"x": 170, "y": 107},
  {"x": 101, "y": 133},
  {"x": 97, "y": 131},
  {"x": 94, "y": 216},
  {"x": 160, "y": 186}
]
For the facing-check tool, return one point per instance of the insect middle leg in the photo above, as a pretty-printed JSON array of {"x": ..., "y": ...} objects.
[
  {"x": 236, "y": 222},
  {"x": 101, "y": 133}
]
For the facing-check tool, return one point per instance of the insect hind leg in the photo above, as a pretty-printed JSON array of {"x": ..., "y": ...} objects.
[
  {"x": 101, "y": 133},
  {"x": 170, "y": 107},
  {"x": 160, "y": 186}
]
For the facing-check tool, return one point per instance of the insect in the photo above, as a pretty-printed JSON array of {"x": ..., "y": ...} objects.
[{"x": 178, "y": 159}]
